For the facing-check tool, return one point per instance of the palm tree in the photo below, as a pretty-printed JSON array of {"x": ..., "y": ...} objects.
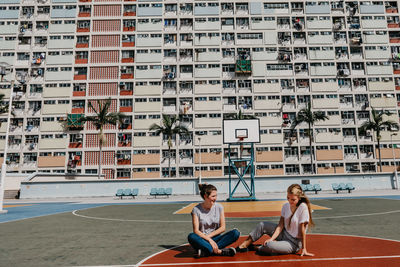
[
  {"x": 376, "y": 124},
  {"x": 100, "y": 119},
  {"x": 169, "y": 127},
  {"x": 310, "y": 117}
]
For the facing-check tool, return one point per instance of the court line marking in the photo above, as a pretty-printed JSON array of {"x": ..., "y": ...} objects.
[
  {"x": 155, "y": 254},
  {"x": 176, "y": 212},
  {"x": 269, "y": 261},
  {"x": 229, "y": 221},
  {"x": 54, "y": 213},
  {"x": 368, "y": 237},
  {"x": 251, "y": 262}
]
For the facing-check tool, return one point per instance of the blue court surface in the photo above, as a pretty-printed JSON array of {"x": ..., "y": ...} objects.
[{"x": 21, "y": 211}]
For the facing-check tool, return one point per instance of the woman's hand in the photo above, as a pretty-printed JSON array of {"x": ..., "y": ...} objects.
[
  {"x": 306, "y": 253},
  {"x": 214, "y": 246},
  {"x": 268, "y": 240}
]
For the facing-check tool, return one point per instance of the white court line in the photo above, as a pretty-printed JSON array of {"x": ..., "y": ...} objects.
[
  {"x": 122, "y": 220},
  {"x": 229, "y": 221},
  {"x": 182, "y": 208},
  {"x": 320, "y": 259},
  {"x": 269, "y": 261},
  {"x": 251, "y": 262}
]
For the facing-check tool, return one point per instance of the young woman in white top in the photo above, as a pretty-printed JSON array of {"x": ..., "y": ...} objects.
[
  {"x": 289, "y": 236},
  {"x": 208, "y": 221}
]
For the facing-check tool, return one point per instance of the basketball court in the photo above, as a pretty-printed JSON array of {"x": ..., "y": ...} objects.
[{"x": 348, "y": 232}]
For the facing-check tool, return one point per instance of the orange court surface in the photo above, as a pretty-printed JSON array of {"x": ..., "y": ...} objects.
[
  {"x": 330, "y": 250},
  {"x": 249, "y": 209}
]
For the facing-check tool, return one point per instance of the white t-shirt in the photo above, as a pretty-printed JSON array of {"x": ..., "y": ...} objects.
[
  {"x": 300, "y": 216},
  {"x": 209, "y": 220}
]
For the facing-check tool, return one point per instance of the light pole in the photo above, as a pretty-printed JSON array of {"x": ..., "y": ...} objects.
[
  {"x": 199, "y": 138},
  {"x": 3, "y": 165},
  {"x": 394, "y": 161}
]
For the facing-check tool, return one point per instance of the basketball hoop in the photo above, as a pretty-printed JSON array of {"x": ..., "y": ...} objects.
[{"x": 241, "y": 137}]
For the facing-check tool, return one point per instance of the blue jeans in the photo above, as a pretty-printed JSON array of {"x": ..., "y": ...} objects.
[{"x": 222, "y": 241}]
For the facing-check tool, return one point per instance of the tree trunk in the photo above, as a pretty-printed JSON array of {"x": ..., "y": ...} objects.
[
  {"x": 310, "y": 137},
  {"x": 379, "y": 152},
  {"x": 100, "y": 151},
  {"x": 169, "y": 155},
  {"x": 169, "y": 161}
]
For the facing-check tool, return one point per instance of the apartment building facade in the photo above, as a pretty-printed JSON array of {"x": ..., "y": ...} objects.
[{"x": 202, "y": 61}]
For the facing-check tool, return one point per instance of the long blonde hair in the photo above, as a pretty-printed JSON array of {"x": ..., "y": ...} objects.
[{"x": 295, "y": 189}]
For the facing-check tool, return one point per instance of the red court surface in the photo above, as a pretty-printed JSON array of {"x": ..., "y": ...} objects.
[{"x": 329, "y": 250}]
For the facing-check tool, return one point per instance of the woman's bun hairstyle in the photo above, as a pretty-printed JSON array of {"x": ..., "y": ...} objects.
[{"x": 206, "y": 189}]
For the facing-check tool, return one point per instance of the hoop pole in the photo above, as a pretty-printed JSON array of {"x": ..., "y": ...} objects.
[{"x": 241, "y": 172}]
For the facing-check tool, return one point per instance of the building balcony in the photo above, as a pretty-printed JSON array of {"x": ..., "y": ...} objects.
[
  {"x": 269, "y": 156},
  {"x": 51, "y": 161},
  {"x": 80, "y": 77},
  {"x": 391, "y": 10},
  {"x": 77, "y": 110},
  {"x": 128, "y": 60},
  {"x": 146, "y": 141},
  {"x": 143, "y": 175},
  {"x": 387, "y": 153},
  {"x": 123, "y": 161},
  {"x": 78, "y": 93},
  {"x": 393, "y": 25},
  {"x": 127, "y": 143},
  {"x": 129, "y": 13},
  {"x": 87, "y": 29},
  {"x": 75, "y": 145},
  {"x": 129, "y": 29},
  {"x": 127, "y": 76},
  {"x": 268, "y": 172},
  {"x": 83, "y": 14},
  {"x": 215, "y": 157},
  {"x": 126, "y": 109},
  {"x": 126, "y": 92},
  {"x": 209, "y": 173},
  {"x": 146, "y": 159},
  {"x": 330, "y": 170},
  {"x": 82, "y": 45},
  {"x": 81, "y": 61},
  {"x": 334, "y": 154},
  {"x": 145, "y": 124},
  {"x": 128, "y": 44}
]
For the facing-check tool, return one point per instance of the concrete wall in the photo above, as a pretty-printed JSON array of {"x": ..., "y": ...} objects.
[{"x": 96, "y": 188}]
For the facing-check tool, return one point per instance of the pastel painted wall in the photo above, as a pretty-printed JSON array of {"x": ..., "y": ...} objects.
[{"x": 97, "y": 188}]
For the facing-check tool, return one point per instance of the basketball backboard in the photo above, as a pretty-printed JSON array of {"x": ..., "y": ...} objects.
[{"x": 241, "y": 131}]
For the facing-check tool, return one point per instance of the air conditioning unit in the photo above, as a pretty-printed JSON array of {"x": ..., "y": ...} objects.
[
  {"x": 297, "y": 68},
  {"x": 123, "y": 68}
]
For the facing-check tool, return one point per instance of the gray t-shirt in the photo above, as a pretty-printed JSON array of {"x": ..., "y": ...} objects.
[{"x": 209, "y": 220}]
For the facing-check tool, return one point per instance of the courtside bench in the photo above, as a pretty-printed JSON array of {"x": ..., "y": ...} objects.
[
  {"x": 343, "y": 187},
  {"x": 309, "y": 187},
  {"x": 161, "y": 192},
  {"x": 127, "y": 193}
]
